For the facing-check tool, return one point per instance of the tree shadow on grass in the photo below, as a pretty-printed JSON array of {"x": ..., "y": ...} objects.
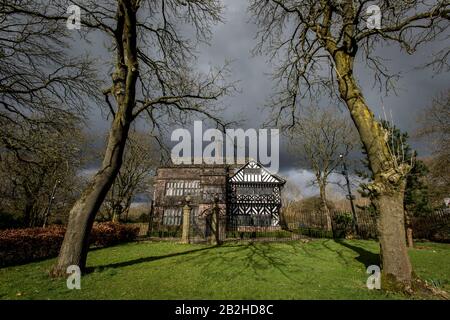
[
  {"x": 143, "y": 260},
  {"x": 365, "y": 257},
  {"x": 230, "y": 258},
  {"x": 263, "y": 256},
  {"x": 256, "y": 257},
  {"x": 339, "y": 253}
]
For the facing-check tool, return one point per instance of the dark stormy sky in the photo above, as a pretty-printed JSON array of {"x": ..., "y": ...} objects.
[{"x": 234, "y": 39}]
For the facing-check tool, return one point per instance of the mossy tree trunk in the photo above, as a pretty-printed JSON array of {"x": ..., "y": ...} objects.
[
  {"x": 389, "y": 177},
  {"x": 321, "y": 32}
]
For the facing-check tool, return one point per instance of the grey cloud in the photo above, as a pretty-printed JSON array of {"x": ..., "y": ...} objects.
[{"x": 234, "y": 40}]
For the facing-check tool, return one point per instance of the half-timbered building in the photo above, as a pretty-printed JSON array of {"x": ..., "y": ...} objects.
[
  {"x": 248, "y": 196},
  {"x": 254, "y": 196}
]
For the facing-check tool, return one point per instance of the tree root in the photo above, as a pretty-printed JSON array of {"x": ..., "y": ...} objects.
[
  {"x": 57, "y": 273},
  {"x": 424, "y": 287},
  {"x": 417, "y": 287}
]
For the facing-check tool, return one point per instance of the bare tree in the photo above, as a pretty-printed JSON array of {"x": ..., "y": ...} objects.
[
  {"x": 152, "y": 77},
  {"x": 321, "y": 136},
  {"x": 290, "y": 195},
  {"x": 44, "y": 91},
  {"x": 435, "y": 127},
  {"x": 135, "y": 175},
  {"x": 319, "y": 43},
  {"x": 45, "y": 175},
  {"x": 39, "y": 79}
]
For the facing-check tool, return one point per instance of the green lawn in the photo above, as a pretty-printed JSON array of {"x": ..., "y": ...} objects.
[{"x": 320, "y": 269}]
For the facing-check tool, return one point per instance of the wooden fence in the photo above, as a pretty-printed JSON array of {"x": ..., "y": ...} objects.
[{"x": 434, "y": 226}]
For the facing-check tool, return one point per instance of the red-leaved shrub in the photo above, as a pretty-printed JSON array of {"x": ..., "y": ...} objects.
[
  {"x": 26, "y": 245},
  {"x": 23, "y": 245},
  {"x": 109, "y": 233}
]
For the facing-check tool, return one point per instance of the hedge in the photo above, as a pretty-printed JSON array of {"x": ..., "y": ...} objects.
[{"x": 19, "y": 246}]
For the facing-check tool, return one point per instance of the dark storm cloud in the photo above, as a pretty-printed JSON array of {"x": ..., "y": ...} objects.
[{"x": 234, "y": 39}]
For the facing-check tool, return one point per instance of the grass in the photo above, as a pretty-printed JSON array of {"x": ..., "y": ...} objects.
[{"x": 320, "y": 269}]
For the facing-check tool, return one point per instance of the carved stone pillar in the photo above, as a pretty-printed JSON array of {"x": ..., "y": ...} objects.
[{"x": 186, "y": 221}]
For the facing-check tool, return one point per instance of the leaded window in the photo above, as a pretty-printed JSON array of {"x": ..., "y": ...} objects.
[
  {"x": 183, "y": 188},
  {"x": 258, "y": 190},
  {"x": 174, "y": 216}
]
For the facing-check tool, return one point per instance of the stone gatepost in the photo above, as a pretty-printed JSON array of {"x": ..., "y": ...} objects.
[
  {"x": 215, "y": 222},
  {"x": 186, "y": 221}
]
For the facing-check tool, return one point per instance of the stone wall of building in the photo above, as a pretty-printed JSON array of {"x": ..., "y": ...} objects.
[{"x": 212, "y": 178}]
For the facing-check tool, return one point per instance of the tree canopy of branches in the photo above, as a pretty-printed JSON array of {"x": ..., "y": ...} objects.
[
  {"x": 44, "y": 91},
  {"x": 318, "y": 44},
  {"x": 321, "y": 136},
  {"x": 153, "y": 76},
  {"x": 39, "y": 79}
]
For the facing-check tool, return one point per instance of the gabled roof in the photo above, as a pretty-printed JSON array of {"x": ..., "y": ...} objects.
[{"x": 261, "y": 174}]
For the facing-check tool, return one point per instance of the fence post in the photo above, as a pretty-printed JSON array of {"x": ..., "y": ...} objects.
[
  {"x": 150, "y": 219},
  {"x": 186, "y": 221}
]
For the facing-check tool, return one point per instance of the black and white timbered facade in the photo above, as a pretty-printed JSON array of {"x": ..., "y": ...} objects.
[
  {"x": 249, "y": 196},
  {"x": 254, "y": 197}
]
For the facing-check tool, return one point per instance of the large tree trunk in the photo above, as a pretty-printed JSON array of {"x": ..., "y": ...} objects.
[
  {"x": 76, "y": 240},
  {"x": 389, "y": 177},
  {"x": 325, "y": 209},
  {"x": 391, "y": 226}
]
